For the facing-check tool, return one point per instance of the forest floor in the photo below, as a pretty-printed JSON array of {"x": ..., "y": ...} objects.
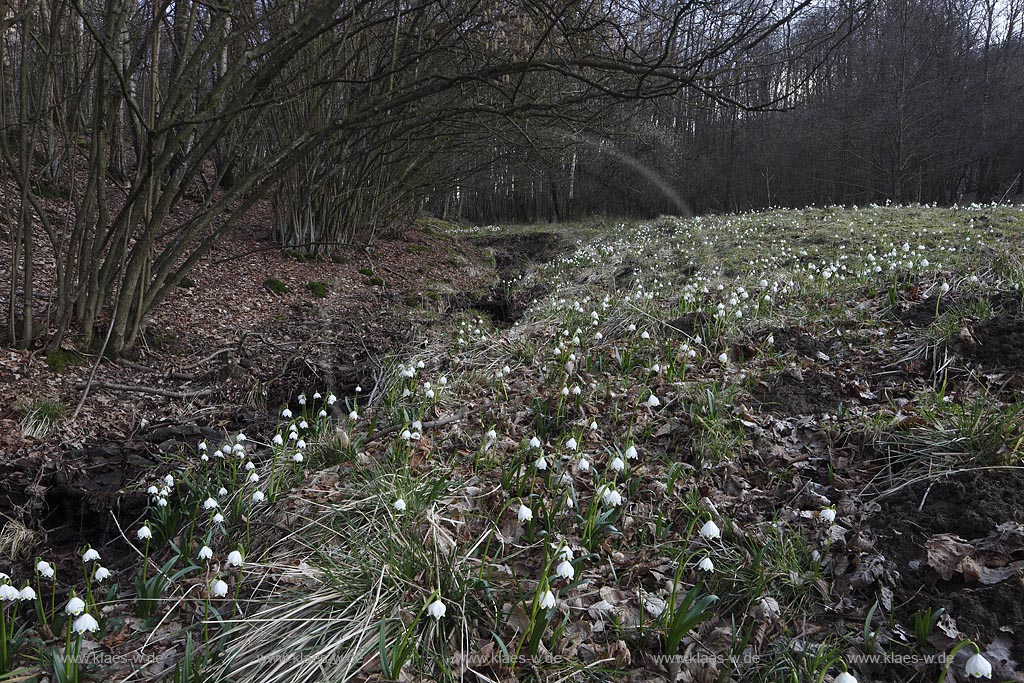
[{"x": 768, "y": 447}]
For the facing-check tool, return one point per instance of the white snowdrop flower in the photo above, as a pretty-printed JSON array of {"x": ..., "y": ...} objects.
[
  {"x": 534, "y": 442},
  {"x": 164, "y": 492},
  {"x": 571, "y": 444},
  {"x": 301, "y": 399},
  {"x": 278, "y": 440},
  {"x": 144, "y": 534},
  {"x": 564, "y": 552},
  {"x": 27, "y": 593},
  {"x": 710, "y": 530},
  {"x": 44, "y": 569},
  {"x": 706, "y": 565},
  {"x": 525, "y": 514},
  {"x": 419, "y": 364},
  {"x": 210, "y": 504},
  {"x": 250, "y": 466},
  {"x": 845, "y": 677},
  {"x": 101, "y": 574},
  {"x": 617, "y": 464},
  {"x": 978, "y": 667},
  {"x": 293, "y": 436},
  {"x": 235, "y": 558},
  {"x": 437, "y": 609},
  {"x": 645, "y": 335},
  {"x": 828, "y": 515},
  {"x": 593, "y": 425},
  {"x": 218, "y": 518},
  {"x": 611, "y": 497},
  {"x": 253, "y": 477},
  {"x": 322, "y": 414},
  {"x": 152, "y": 490},
  {"x": 222, "y": 491},
  {"x": 331, "y": 399},
  {"x": 205, "y": 553},
  {"x": 75, "y": 606},
  {"x": 598, "y": 336},
  {"x": 353, "y": 415},
  {"x": 944, "y": 288},
  {"x": 90, "y": 555},
  {"x": 204, "y": 457},
  {"x": 9, "y": 593},
  {"x": 169, "y": 481},
  {"x": 547, "y": 600},
  {"x": 442, "y": 380},
  {"x": 429, "y": 393},
  {"x": 723, "y": 358},
  {"x": 286, "y": 414},
  {"x": 399, "y": 504},
  {"x": 218, "y": 588},
  {"x": 303, "y": 425},
  {"x": 631, "y": 453},
  {"x": 202, "y": 446},
  {"x": 241, "y": 438},
  {"x": 406, "y": 434},
  {"x": 316, "y": 396},
  {"x": 565, "y": 570},
  {"x": 583, "y": 465},
  {"x": 225, "y": 450},
  {"x": 653, "y": 401},
  {"x": 565, "y": 391},
  {"x": 540, "y": 463},
  {"x": 632, "y": 327},
  {"x": 85, "y": 623},
  {"x": 258, "y": 497}
]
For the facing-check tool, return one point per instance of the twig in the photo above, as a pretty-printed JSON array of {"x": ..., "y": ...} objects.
[
  {"x": 440, "y": 422},
  {"x": 144, "y": 390},
  {"x": 208, "y": 358}
]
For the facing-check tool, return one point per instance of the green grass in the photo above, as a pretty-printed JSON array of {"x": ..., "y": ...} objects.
[
  {"x": 275, "y": 286},
  {"x": 59, "y": 360},
  {"x": 317, "y": 289}
]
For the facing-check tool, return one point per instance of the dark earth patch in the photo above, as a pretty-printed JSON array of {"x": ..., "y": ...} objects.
[
  {"x": 802, "y": 343},
  {"x": 807, "y": 393},
  {"x": 922, "y": 313},
  {"x": 513, "y": 254},
  {"x": 970, "y": 505},
  {"x": 1000, "y": 342},
  {"x": 690, "y": 324},
  {"x": 503, "y": 306}
]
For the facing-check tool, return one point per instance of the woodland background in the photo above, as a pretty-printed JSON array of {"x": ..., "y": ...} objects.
[{"x": 134, "y": 134}]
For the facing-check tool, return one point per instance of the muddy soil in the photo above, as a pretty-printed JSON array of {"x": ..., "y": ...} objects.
[
  {"x": 1000, "y": 342},
  {"x": 970, "y": 505},
  {"x": 513, "y": 254},
  {"x": 806, "y": 393},
  {"x": 799, "y": 342}
]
